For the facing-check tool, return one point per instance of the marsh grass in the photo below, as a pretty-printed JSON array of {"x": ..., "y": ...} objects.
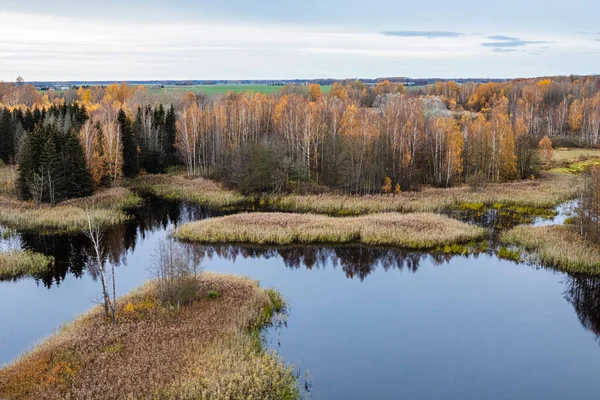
[
  {"x": 15, "y": 264},
  {"x": 573, "y": 161},
  {"x": 551, "y": 189},
  {"x": 557, "y": 246},
  {"x": 199, "y": 191},
  {"x": 208, "y": 349},
  {"x": 548, "y": 191},
  {"x": 69, "y": 216},
  {"x": 418, "y": 230}
]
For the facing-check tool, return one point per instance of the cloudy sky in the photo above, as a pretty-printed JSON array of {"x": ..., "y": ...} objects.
[{"x": 276, "y": 39}]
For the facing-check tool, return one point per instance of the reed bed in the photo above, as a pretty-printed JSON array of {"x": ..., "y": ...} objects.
[
  {"x": 557, "y": 246},
  {"x": 417, "y": 231},
  {"x": 200, "y": 191},
  {"x": 209, "y": 349},
  {"x": 15, "y": 264},
  {"x": 549, "y": 191},
  {"x": 106, "y": 207}
]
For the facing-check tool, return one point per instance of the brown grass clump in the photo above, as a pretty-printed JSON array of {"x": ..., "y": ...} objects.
[
  {"x": 69, "y": 216},
  {"x": 17, "y": 263},
  {"x": 201, "y": 351},
  {"x": 417, "y": 230},
  {"x": 200, "y": 191},
  {"x": 557, "y": 246}
]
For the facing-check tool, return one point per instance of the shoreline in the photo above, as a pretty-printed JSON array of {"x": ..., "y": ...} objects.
[{"x": 210, "y": 348}]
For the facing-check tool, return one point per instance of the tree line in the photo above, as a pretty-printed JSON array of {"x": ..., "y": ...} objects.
[{"x": 357, "y": 138}]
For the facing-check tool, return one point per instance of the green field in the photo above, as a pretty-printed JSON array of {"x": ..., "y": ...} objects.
[{"x": 213, "y": 90}]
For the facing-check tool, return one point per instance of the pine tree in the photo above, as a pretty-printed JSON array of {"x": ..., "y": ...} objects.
[{"x": 130, "y": 152}]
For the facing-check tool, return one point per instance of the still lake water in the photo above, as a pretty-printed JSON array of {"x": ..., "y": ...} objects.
[{"x": 366, "y": 322}]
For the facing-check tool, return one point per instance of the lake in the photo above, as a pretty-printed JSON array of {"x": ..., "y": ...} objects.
[{"x": 365, "y": 322}]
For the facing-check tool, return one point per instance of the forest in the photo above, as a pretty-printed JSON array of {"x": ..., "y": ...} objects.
[{"x": 356, "y": 139}]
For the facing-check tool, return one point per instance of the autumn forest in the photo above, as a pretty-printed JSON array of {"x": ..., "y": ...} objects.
[{"x": 357, "y": 138}]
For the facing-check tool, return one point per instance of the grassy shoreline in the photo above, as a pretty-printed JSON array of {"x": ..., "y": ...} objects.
[
  {"x": 417, "y": 231},
  {"x": 15, "y": 264},
  {"x": 107, "y": 207},
  {"x": 207, "y": 349},
  {"x": 200, "y": 191},
  {"x": 552, "y": 189},
  {"x": 557, "y": 246}
]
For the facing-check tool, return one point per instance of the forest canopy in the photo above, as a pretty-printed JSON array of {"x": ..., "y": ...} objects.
[{"x": 358, "y": 138}]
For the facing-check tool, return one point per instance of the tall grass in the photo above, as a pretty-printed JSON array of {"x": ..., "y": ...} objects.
[
  {"x": 69, "y": 216},
  {"x": 556, "y": 246},
  {"x": 17, "y": 263},
  {"x": 200, "y": 191},
  {"x": 208, "y": 349},
  {"x": 552, "y": 189},
  {"x": 416, "y": 230}
]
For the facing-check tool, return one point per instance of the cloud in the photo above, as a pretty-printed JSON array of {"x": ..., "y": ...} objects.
[
  {"x": 425, "y": 34},
  {"x": 504, "y": 42},
  {"x": 588, "y": 33},
  {"x": 503, "y": 50},
  {"x": 503, "y": 38}
]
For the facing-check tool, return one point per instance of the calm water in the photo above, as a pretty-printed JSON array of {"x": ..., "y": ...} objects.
[{"x": 366, "y": 322}]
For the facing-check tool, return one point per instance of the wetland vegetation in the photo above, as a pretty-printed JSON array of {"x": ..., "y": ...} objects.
[
  {"x": 415, "y": 231},
  {"x": 207, "y": 349},
  {"x": 357, "y": 175}
]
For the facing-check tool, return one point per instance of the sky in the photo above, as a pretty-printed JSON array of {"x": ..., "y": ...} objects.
[{"x": 264, "y": 39}]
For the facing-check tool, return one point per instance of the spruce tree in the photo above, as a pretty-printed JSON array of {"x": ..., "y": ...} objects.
[
  {"x": 169, "y": 138},
  {"x": 7, "y": 137},
  {"x": 130, "y": 152},
  {"x": 28, "y": 122},
  {"x": 76, "y": 171}
]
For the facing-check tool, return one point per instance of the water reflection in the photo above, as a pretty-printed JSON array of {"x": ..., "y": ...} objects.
[
  {"x": 357, "y": 261},
  {"x": 583, "y": 292},
  {"x": 70, "y": 252}
]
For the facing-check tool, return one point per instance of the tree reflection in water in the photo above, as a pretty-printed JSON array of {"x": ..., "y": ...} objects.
[
  {"x": 583, "y": 292},
  {"x": 356, "y": 261}
]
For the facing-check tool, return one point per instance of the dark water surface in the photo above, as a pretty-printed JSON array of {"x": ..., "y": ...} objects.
[{"x": 366, "y": 322}]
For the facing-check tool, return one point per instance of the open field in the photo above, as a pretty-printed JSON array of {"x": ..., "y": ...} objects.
[
  {"x": 209, "y": 349},
  {"x": 556, "y": 246},
  {"x": 105, "y": 207},
  {"x": 213, "y": 90},
  {"x": 418, "y": 231},
  {"x": 17, "y": 263}
]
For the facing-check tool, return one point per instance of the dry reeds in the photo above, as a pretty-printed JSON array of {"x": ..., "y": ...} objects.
[
  {"x": 416, "y": 230},
  {"x": 69, "y": 216},
  {"x": 557, "y": 246},
  {"x": 200, "y": 191},
  {"x": 552, "y": 189},
  {"x": 17, "y": 263},
  {"x": 201, "y": 351}
]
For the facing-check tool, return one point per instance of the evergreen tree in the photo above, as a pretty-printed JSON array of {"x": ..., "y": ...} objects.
[
  {"x": 53, "y": 166},
  {"x": 28, "y": 122},
  {"x": 7, "y": 137},
  {"x": 169, "y": 138},
  {"x": 130, "y": 153},
  {"x": 76, "y": 171}
]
